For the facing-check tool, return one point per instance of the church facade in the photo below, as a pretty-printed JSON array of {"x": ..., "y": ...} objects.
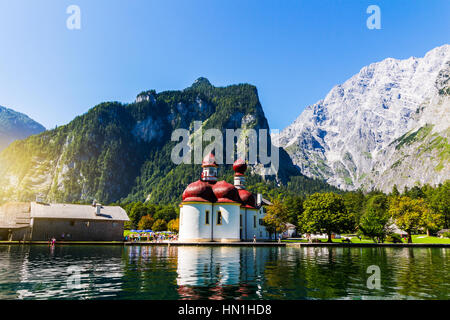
[{"x": 218, "y": 211}]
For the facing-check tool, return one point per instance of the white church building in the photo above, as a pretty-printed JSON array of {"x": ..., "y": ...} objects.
[{"x": 214, "y": 210}]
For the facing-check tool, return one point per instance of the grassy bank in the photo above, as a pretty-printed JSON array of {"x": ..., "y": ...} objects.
[{"x": 420, "y": 238}]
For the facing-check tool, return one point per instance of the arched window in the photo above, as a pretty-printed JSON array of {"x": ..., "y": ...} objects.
[
  {"x": 219, "y": 217},
  {"x": 207, "y": 217}
]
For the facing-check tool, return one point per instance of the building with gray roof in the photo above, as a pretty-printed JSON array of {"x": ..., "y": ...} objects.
[{"x": 64, "y": 222}]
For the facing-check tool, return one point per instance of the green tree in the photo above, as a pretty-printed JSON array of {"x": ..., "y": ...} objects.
[
  {"x": 146, "y": 222},
  {"x": 174, "y": 225},
  {"x": 151, "y": 208},
  {"x": 408, "y": 214},
  {"x": 439, "y": 201},
  {"x": 166, "y": 213},
  {"x": 128, "y": 225},
  {"x": 294, "y": 208},
  {"x": 374, "y": 222},
  {"x": 325, "y": 213},
  {"x": 395, "y": 192},
  {"x": 432, "y": 221},
  {"x": 159, "y": 225},
  {"x": 354, "y": 203},
  {"x": 415, "y": 193},
  {"x": 276, "y": 217},
  {"x": 137, "y": 211}
]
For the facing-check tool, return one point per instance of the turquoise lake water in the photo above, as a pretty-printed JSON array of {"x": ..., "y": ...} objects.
[{"x": 225, "y": 272}]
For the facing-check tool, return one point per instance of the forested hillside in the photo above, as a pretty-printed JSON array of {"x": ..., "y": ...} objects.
[{"x": 121, "y": 152}]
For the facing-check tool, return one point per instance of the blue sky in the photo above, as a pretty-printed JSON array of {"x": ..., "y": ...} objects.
[{"x": 293, "y": 51}]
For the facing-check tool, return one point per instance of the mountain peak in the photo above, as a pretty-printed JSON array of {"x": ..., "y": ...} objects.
[
  {"x": 16, "y": 126},
  {"x": 201, "y": 82},
  {"x": 351, "y": 138}
]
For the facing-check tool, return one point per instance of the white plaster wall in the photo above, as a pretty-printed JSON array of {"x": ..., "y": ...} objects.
[
  {"x": 250, "y": 229},
  {"x": 193, "y": 227},
  {"x": 229, "y": 229},
  {"x": 242, "y": 213},
  {"x": 192, "y": 222},
  {"x": 265, "y": 234}
]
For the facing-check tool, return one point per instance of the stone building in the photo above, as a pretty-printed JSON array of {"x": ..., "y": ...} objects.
[{"x": 41, "y": 222}]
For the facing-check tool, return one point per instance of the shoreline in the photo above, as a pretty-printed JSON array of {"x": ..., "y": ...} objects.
[{"x": 227, "y": 244}]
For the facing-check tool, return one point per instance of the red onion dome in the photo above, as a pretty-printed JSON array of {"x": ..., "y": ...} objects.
[
  {"x": 226, "y": 192},
  {"x": 199, "y": 191},
  {"x": 209, "y": 161},
  {"x": 239, "y": 167},
  {"x": 248, "y": 199}
]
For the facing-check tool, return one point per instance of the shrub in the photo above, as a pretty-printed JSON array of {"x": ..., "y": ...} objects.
[
  {"x": 394, "y": 238},
  {"x": 160, "y": 225},
  {"x": 128, "y": 225},
  {"x": 146, "y": 222},
  {"x": 174, "y": 225}
]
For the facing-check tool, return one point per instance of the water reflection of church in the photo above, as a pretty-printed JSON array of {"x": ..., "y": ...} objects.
[
  {"x": 214, "y": 210},
  {"x": 218, "y": 272}
]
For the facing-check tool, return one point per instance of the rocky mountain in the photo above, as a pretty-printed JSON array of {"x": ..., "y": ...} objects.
[
  {"x": 386, "y": 125},
  {"x": 122, "y": 151},
  {"x": 16, "y": 126}
]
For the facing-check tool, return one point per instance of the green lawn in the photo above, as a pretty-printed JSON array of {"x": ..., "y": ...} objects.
[{"x": 421, "y": 238}]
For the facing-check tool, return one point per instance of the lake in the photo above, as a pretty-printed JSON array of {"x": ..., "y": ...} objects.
[{"x": 222, "y": 272}]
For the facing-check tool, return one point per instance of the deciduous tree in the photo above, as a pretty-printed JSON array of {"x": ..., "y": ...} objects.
[
  {"x": 374, "y": 222},
  {"x": 325, "y": 213},
  {"x": 439, "y": 201},
  {"x": 276, "y": 217},
  {"x": 174, "y": 225},
  {"x": 146, "y": 222},
  {"x": 159, "y": 225},
  {"x": 408, "y": 214}
]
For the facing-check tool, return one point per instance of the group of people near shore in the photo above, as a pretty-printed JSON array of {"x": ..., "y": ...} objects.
[{"x": 151, "y": 237}]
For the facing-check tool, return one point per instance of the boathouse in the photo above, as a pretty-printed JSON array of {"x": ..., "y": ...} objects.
[{"x": 65, "y": 222}]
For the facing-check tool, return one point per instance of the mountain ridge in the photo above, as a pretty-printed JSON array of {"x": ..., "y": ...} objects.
[
  {"x": 16, "y": 126},
  {"x": 344, "y": 137},
  {"x": 121, "y": 152}
]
